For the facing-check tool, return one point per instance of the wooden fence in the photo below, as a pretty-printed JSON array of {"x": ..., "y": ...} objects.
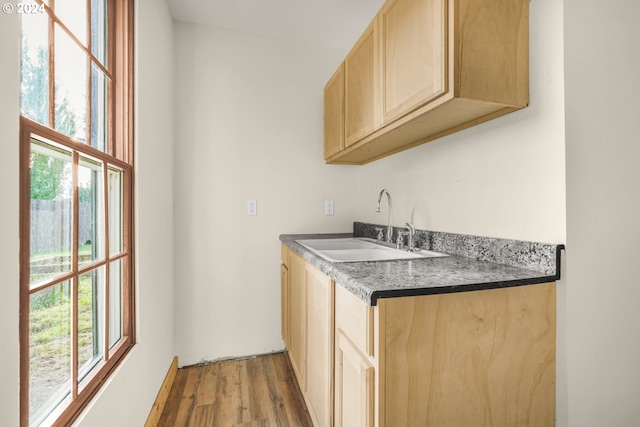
[{"x": 52, "y": 222}]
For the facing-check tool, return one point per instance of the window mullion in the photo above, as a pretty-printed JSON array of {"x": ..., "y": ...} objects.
[
  {"x": 76, "y": 213},
  {"x": 110, "y": 54},
  {"x": 89, "y": 101},
  {"x": 50, "y": 283},
  {"x": 52, "y": 73},
  {"x": 105, "y": 192},
  {"x": 107, "y": 307},
  {"x": 74, "y": 337},
  {"x": 75, "y": 283},
  {"x": 89, "y": 38},
  {"x": 89, "y": 77},
  {"x": 128, "y": 266},
  {"x": 107, "y": 256}
]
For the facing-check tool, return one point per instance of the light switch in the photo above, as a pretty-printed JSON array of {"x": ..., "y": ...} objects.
[{"x": 252, "y": 207}]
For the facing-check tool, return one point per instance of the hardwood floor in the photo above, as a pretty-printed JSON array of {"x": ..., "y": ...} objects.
[{"x": 255, "y": 392}]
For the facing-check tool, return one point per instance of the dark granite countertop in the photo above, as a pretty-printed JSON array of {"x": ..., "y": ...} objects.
[{"x": 455, "y": 273}]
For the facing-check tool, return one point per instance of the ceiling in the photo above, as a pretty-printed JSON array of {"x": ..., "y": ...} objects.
[{"x": 336, "y": 23}]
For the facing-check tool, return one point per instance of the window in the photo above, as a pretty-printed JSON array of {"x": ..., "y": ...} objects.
[{"x": 76, "y": 202}]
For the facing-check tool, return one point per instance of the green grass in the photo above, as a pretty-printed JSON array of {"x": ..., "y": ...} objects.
[
  {"x": 51, "y": 311},
  {"x": 51, "y": 329},
  {"x": 50, "y": 346}
]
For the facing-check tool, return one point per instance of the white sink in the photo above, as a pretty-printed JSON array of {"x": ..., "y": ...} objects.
[{"x": 355, "y": 249}]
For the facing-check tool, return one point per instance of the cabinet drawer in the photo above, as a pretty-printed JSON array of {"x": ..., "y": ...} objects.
[{"x": 355, "y": 319}]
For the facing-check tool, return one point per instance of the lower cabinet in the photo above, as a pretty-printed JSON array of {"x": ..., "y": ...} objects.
[
  {"x": 319, "y": 391},
  {"x": 284, "y": 304},
  {"x": 354, "y": 393},
  {"x": 460, "y": 359},
  {"x": 308, "y": 318},
  {"x": 471, "y": 358},
  {"x": 298, "y": 318}
]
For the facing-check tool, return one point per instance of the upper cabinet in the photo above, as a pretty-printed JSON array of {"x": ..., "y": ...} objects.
[
  {"x": 334, "y": 114},
  {"x": 360, "y": 118},
  {"x": 412, "y": 53},
  {"x": 427, "y": 68}
]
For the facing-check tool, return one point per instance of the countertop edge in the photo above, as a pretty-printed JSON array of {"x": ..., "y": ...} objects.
[{"x": 376, "y": 295}]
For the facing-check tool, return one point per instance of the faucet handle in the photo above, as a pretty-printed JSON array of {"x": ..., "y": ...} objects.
[
  {"x": 412, "y": 229},
  {"x": 380, "y": 233},
  {"x": 400, "y": 239},
  {"x": 410, "y": 241}
]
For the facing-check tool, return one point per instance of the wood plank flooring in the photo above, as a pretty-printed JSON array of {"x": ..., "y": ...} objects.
[{"x": 255, "y": 392}]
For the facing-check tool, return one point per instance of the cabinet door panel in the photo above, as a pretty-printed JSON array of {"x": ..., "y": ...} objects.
[
  {"x": 319, "y": 345},
  {"x": 298, "y": 319},
  {"x": 284, "y": 304},
  {"x": 413, "y": 55},
  {"x": 334, "y": 114},
  {"x": 355, "y": 319},
  {"x": 360, "y": 117},
  {"x": 492, "y": 349},
  {"x": 354, "y": 386}
]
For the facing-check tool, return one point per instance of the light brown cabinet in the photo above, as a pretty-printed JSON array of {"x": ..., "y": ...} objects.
[
  {"x": 309, "y": 318},
  {"x": 426, "y": 68},
  {"x": 355, "y": 362},
  {"x": 285, "y": 295},
  {"x": 360, "y": 114},
  {"x": 297, "y": 318},
  {"x": 412, "y": 65},
  {"x": 471, "y": 358},
  {"x": 319, "y": 390},
  {"x": 459, "y": 359},
  {"x": 334, "y": 114},
  {"x": 354, "y": 394},
  {"x": 284, "y": 304}
]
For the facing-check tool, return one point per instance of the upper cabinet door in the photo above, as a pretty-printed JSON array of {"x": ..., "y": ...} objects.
[
  {"x": 360, "y": 86},
  {"x": 334, "y": 114},
  {"x": 412, "y": 55}
]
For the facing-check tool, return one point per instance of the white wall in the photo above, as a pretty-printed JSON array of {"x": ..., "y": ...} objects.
[
  {"x": 129, "y": 394},
  {"x": 248, "y": 126},
  {"x": 9, "y": 217},
  {"x": 602, "y": 65},
  {"x": 503, "y": 178}
]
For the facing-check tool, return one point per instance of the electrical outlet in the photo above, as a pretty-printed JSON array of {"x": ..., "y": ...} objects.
[
  {"x": 328, "y": 207},
  {"x": 252, "y": 207}
]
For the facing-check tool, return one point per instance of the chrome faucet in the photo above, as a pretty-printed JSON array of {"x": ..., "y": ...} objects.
[
  {"x": 411, "y": 245},
  {"x": 389, "y": 237},
  {"x": 400, "y": 240}
]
